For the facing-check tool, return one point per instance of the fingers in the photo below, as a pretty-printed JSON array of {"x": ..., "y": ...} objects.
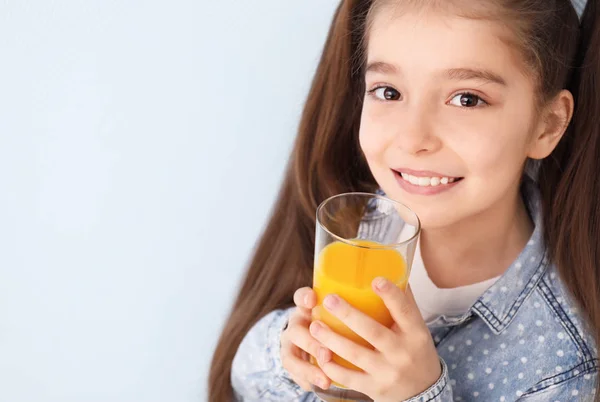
[
  {"x": 304, "y": 373},
  {"x": 363, "y": 325},
  {"x": 305, "y": 298},
  {"x": 401, "y": 304},
  {"x": 299, "y": 335},
  {"x": 362, "y": 357},
  {"x": 296, "y": 346},
  {"x": 352, "y": 379}
]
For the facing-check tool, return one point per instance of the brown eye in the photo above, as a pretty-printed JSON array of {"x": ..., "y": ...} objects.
[
  {"x": 467, "y": 100},
  {"x": 386, "y": 94}
]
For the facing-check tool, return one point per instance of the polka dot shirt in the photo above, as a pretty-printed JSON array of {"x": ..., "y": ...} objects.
[{"x": 522, "y": 340}]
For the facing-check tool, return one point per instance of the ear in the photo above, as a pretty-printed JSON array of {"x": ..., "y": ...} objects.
[{"x": 553, "y": 123}]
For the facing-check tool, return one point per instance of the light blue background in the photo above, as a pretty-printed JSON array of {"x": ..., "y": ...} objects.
[{"x": 142, "y": 144}]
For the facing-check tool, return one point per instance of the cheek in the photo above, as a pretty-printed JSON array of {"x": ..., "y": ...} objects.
[
  {"x": 369, "y": 145},
  {"x": 491, "y": 150},
  {"x": 481, "y": 154},
  {"x": 372, "y": 137}
]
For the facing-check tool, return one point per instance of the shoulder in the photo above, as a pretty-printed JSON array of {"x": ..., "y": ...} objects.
[
  {"x": 556, "y": 336},
  {"x": 566, "y": 313}
]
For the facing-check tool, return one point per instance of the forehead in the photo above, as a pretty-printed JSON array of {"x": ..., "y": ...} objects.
[{"x": 424, "y": 39}]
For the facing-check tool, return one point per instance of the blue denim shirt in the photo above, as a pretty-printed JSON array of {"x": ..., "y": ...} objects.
[{"x": 523, "y": 340}]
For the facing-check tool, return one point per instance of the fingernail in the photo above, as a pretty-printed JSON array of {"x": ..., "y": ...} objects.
[
  {"x": 331, "y": 302},
  {"x": 306, "y": 300},
  {"x": 381, "y": 284}
]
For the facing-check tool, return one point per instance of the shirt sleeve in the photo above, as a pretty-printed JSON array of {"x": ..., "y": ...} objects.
[
  {"x": 441, "y": 391},
  {"x": 581, "y": 387},
  {"x": 257, "y": 373}
]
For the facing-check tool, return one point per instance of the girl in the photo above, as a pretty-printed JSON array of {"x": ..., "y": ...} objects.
[{"x": 482, "y": 117}]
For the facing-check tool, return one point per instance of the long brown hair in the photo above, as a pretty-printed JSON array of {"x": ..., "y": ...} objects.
[{"x": 327, "y": 160}]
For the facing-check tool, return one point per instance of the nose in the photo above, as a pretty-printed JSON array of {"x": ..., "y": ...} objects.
[{"x": 416, "y": 132}]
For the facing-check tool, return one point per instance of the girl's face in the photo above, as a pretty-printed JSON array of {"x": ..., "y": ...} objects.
[{"x": 449, "y": 116}]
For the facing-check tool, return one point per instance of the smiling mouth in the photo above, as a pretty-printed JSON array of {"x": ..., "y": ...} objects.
[{"x": 425, "y": 181}]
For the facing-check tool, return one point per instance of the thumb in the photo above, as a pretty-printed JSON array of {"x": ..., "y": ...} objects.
[{"x": 400, "y": 303}]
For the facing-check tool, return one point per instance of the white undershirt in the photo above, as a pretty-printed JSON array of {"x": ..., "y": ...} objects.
[{"x": 433, "y": 301}]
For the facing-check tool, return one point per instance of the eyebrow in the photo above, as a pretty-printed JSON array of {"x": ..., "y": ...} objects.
[
  {"x": 382, "y": 68},
  {"x": 475, "y": 74},
  {"x": 456, "y": 74}
]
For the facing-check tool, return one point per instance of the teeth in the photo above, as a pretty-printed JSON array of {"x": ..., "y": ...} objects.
[{"x": 427, "y": 181}]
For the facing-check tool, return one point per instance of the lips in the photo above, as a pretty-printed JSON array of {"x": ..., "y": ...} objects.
[
  {"x": 425, "y": 178},
  {"x": 425, "y": 182}
]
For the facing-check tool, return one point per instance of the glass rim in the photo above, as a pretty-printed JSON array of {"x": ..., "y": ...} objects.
[{"x": 388, "y": 246}]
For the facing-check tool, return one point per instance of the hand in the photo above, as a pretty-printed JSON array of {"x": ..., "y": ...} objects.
[
  {"x": 404, "y": 362},
  {"x": 297, "y": 344}
]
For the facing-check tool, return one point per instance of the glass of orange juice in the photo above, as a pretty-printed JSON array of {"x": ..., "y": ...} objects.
[{"x": 359, "y": 237}]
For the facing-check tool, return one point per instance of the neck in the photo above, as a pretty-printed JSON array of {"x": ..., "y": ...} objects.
[{"x": 487, "y": 245}]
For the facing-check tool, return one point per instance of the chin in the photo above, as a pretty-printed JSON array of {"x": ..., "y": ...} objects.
[{"x": 432, "y": 219}]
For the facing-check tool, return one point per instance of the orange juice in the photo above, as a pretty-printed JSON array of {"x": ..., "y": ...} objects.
[{"x": 348, "y": 270}]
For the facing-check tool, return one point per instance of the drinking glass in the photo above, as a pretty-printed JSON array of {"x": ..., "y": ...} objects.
[{"x": 359, "y": 237}]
